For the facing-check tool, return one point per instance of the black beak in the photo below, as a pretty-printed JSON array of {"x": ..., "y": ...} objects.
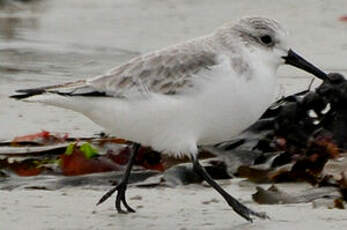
[{"x": 295, "y": 60}]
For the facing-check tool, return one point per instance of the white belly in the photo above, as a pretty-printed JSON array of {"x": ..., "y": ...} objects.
[{"x": 177, "y": 124}]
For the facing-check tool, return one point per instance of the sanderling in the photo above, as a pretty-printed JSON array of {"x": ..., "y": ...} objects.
[{"x": 199, "y": 92}]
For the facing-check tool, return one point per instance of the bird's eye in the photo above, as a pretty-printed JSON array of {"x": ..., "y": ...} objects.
[{"x": 266, "y": 39}]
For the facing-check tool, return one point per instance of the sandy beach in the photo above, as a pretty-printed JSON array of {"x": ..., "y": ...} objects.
[{"x": 188, "y": 207}]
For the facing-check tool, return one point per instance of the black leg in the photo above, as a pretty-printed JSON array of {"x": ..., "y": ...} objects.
[
  {"x": 122, "y": 186},
  {"x": 235, "y": 204}
]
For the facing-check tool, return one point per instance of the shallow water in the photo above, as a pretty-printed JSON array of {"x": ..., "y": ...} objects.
[{"x": 45, "y": 42}]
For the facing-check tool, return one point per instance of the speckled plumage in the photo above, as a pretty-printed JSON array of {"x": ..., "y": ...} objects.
[{"x": 169, "y": 71}]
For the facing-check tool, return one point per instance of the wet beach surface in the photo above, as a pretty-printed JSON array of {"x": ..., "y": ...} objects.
[{"x": 48, "y": 42}]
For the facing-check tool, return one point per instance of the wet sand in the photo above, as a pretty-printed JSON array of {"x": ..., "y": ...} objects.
[
  {"x": 49, "y": 42},
  {"x": 188, "y": 207}
]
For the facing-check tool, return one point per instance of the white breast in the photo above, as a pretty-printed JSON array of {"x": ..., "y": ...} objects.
[{"x": 226, "y": 105}]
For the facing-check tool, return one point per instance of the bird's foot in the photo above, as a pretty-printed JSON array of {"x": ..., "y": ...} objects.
[
  {"x": 120, "y": 199},
  {"x": 245, "y": 212}
]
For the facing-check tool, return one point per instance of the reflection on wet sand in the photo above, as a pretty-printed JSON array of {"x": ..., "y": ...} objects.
[{"x": 18, "y": 16}]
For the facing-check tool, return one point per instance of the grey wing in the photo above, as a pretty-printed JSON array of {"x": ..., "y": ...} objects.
[{"x": 167, "y": 72}]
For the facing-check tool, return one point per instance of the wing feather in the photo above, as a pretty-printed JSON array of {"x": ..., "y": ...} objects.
[
  {"x": 170, "y": 71},
  {"x": 167, "y": 72}
]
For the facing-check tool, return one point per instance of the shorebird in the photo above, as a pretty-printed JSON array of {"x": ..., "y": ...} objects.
[{"x": 198, "y": 92}]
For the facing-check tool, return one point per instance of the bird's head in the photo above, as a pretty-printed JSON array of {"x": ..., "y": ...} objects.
[{"x": 265, "y": 40}]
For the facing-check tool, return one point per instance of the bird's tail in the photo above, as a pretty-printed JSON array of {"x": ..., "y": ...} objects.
[
  {"x": 68, "y": 88},
  {"x": 68, "y": 95}
]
